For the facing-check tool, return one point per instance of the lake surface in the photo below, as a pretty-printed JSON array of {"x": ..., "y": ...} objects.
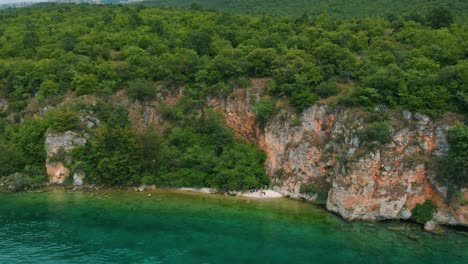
[{"x": 61, "y": 226}]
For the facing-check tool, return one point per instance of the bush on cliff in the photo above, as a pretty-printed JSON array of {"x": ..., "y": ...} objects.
[
  {"x": 377, "y": 131},
  {"x": 424, "y": 212},
  {"x": 264, "y": 110},
  {"x": 63, "y": 119},
  {"x": 453, "y": 169}
]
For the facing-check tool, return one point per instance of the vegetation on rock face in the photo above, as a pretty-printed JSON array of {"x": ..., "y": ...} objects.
[
  {"x": 424, "y": 212},
  {"x": 416, "y": 61},
  {"x": 453, "y": 168},
  {"x": 377, "y": 131},
  {"x": 197, "y": 150},
  {"x": 264, "y": 110}
]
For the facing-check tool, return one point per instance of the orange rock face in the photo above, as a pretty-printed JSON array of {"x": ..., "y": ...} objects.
[
  {"x": 321, "y": 148},
  {"x": 57, "y": 172},
  {"x": 60, "y": 144},
  {"x": 383, "y": 182}
]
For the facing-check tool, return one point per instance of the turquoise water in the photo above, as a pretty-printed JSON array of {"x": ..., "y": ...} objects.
[{"x": 61, "y": 226}]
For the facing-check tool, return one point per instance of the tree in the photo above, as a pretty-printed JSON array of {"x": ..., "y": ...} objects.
[
  {"x": 63, "y": 119},
  {"x": 440, "y": 17},
  {"x": 31, "y": 40},
  {"x": 240, "y": 168},
  {"x": 261, "y": 62},
  {"x": 84, "y": 83},
  {"x": 424, "y": 212},
  {"x": 200, "y": 42},
  {"x": 454, "y": 168},
  {"x": 151, "y": 143},
  {"x": 70, "y": 40},
  {"x": 29, "y": 139},
  {"x": 334, "y": 60},
  {"x": 141, "y": 89},
  {"x": 264, "y": 110},
  {"x": 48, "y": 88},
  {"x": 11, "y": 160},
  {"x": 112, "y": 157}
]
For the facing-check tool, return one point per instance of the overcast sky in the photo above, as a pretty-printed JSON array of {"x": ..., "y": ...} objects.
[{"x": 19, "y": 1}]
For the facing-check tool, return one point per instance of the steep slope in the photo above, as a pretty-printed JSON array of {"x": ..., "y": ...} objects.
[
  {"x": 336, "y": 8},
  {"x": 322, "y": 150}
]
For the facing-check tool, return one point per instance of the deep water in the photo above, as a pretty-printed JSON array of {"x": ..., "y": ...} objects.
[{"x": 60, "y": 226}]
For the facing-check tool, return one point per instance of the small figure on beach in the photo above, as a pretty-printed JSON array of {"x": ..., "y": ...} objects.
[{"x": 262, "y": 192}]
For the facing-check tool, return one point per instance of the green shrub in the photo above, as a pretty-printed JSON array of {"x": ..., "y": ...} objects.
[
  {"x": 141, "y": 89},
  {"x": 378, "y": 131},
  {"x": 264, "y": 110},
  {"x": 147, "y": 180},
  {"x": 424, "y": 212},
  {"x": 11, "y": 159},
  {"x": 113, "y": 156},
  {"x": 63, "y": 119},
  {"x": 453, "y": 168},
  {"x": 327, "y": 89},
  {"x": 18, "y": 182},
  {"x": 48, "y": 88},
  {"x": 84, "y": 83},
  {"x": 24, "y": 180},
  {"x": 303, "y": 99}
]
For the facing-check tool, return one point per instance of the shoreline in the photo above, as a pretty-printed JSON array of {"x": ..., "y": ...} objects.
[
  {"x": 267, "y": 194},
  {"x": 148, "y": 191}
]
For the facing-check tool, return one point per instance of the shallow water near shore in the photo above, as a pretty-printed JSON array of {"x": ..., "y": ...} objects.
[{"x": 111, "y": 226}]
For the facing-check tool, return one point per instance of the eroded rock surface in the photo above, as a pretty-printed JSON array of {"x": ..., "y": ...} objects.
[
  {"x": 320, "y": 148},
  {"x": 58, "y": 147}
]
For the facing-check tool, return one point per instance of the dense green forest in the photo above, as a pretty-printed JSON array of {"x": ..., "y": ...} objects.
[
  {"x": 49, "y": 52},
  {"x": 336, "y": 8}
]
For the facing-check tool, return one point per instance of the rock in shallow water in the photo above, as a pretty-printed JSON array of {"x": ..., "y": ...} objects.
[
  {"x": 78, "y": 178},
  {"x": 433, "y": 227}
]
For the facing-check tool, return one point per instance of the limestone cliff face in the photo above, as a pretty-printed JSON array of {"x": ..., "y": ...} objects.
[
  {"x": 320, "y": 149},
  {"x": 58, "y": 147}
]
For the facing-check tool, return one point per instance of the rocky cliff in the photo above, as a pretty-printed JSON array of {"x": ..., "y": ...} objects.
[
  {"x": 319, "y": 155},
  {"x": 320, "y": 151}
]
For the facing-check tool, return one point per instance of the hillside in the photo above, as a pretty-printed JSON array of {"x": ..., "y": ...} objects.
[
  {"x": 336, "y": 8},
  {"x": 365, "y": 115}
]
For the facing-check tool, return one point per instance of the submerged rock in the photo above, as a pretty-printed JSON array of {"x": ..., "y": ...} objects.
[
  {"x": 433, "y": 227},
  {"x": 396, "y": 228}
]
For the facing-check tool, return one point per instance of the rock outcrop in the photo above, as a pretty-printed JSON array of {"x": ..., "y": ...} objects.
[
  {"x": 319, "y": 154},
  {"x": 58, "y": 148},
  {"x": 433, "y": 227},
  {"x": 321, "y": 148}
]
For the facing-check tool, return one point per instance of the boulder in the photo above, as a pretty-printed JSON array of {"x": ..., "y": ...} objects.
[
  {"x": 78, "y": 178},
  {"x": 433, "y": 227}
]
